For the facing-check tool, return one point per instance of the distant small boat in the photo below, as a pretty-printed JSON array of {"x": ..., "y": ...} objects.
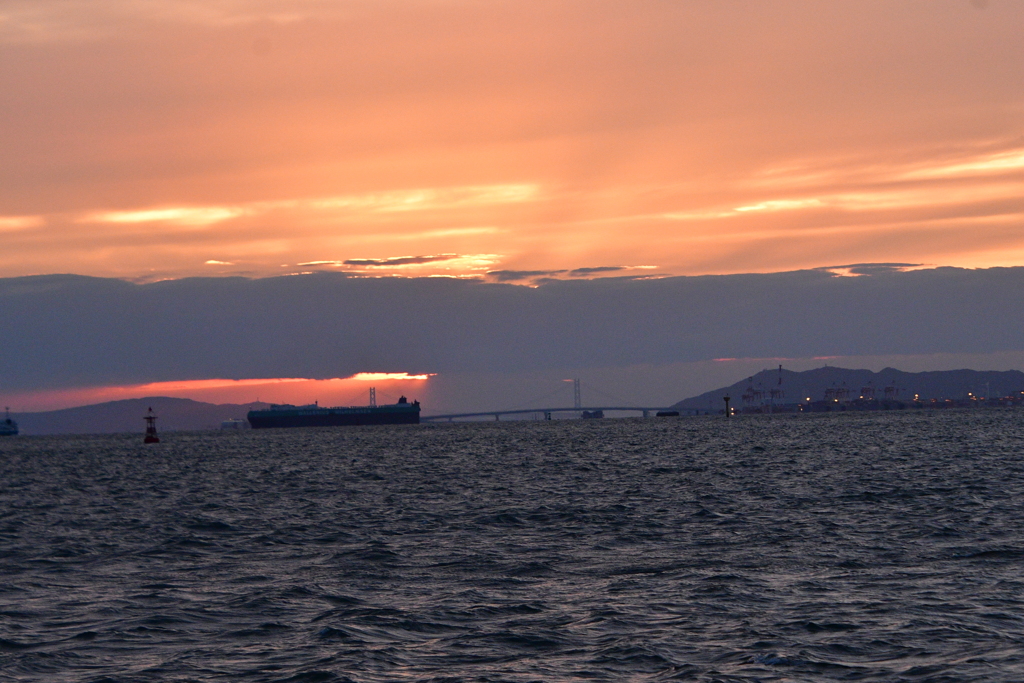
[
  {"x": 667, "y": 413},
  {"x": 8, "y": 427},
  {"x": 234, "y": 423}
]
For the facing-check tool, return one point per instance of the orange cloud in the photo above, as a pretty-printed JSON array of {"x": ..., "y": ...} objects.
[
  {"x": 12, "y": 223},
  {"x": 539, "y": 137},
  {"x": 191, "y": 216}
]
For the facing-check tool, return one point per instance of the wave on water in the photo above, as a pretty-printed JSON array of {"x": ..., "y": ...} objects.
[{"x": 767, "y": 548}]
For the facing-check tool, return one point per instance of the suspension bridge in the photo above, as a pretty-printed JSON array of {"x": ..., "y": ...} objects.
[{"x": 577, "y": 409}]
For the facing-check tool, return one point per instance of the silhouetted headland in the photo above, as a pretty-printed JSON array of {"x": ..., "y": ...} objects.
[{"x": 836, "y": 389}]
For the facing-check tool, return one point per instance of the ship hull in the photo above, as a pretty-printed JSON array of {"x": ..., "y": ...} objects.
[{"x": 334, "y": 417}]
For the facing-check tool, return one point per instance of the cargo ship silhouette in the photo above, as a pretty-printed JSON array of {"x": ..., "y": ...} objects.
[{"x": 402, "y": 412}]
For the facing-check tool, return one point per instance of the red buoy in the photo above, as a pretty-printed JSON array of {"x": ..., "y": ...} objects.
[{"x": 151, "y": 436}]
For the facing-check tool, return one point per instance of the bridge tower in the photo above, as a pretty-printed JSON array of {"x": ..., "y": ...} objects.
[
  {"x": 373, "y": 397},
  {"x": 577, "y": 402}
]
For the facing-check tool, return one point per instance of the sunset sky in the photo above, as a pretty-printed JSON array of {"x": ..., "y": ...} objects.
[
  {"x": 511, "y": 142},
  {"x": 152, "y": 139}
]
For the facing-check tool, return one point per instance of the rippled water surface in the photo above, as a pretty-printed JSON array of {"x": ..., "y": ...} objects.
[{"x": 883, "y": 547}]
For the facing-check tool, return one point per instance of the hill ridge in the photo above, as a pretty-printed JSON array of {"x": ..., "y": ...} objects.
[
  {"x": 801, "y": 386},
  {"x": 125, "y": 415}
]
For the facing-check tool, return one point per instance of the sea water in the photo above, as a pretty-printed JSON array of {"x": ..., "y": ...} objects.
[{"x": 869, "y": 547}]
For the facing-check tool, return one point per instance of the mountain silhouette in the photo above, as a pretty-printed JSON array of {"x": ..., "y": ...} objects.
[
  {"x": 812, "y": 385},
  {"x": 173, "y": 414}
]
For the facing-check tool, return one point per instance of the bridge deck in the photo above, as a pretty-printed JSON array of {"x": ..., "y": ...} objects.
[{"x": 496, "y": 413}]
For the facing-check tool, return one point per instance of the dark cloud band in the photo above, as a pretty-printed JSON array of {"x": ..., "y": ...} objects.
[
  {"x": 399, "y": 260},
  {"x": 65, "y": 331}
]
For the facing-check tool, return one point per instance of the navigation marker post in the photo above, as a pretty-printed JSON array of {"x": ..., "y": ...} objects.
[{"x": 151, "y": 436}]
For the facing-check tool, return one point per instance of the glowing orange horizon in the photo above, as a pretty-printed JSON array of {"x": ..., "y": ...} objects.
[
  {"x": 388, "y": 376},
  {"x": 340, "y": 390}
]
